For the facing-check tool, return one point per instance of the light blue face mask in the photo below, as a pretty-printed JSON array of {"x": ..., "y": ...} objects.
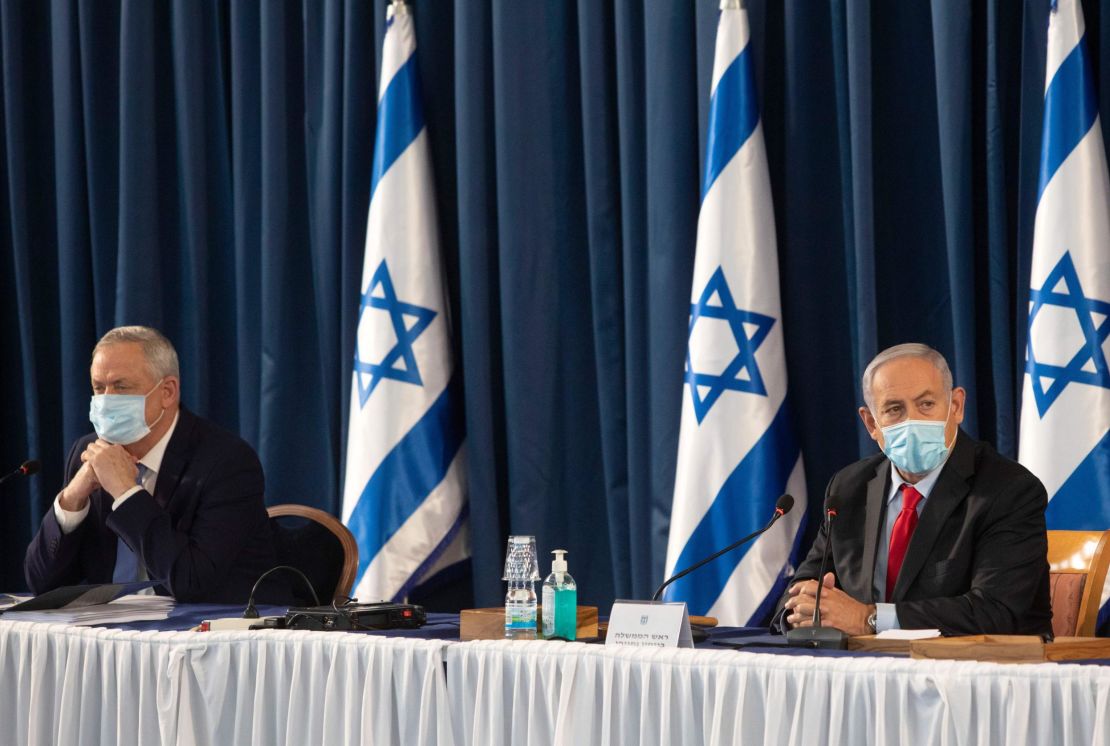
[
  {"x": 916, "y": 446},
  {"x": 121, "y": 418}
]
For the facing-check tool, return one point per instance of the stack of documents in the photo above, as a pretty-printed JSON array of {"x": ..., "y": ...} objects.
[
  {"x": 108, "y": 603},
  {"x": 134, "y": 608}
]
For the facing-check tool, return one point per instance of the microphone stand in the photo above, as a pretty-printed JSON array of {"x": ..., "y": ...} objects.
[
  {"x": 785, "y": 503},
  {"x": 817, "y": 636}
]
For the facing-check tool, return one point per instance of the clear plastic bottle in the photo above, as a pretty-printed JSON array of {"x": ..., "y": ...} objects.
[
  {"x": 560, "y": 600},
  {"x": 520, "y": 610},
  {"x": 521, "y": 571}
]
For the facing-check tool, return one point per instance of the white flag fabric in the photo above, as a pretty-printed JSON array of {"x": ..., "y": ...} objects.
[
  {"x": 404, "y": 488},
  {"x": 1065, "y": 411},
  {"x": 737, "y": 451}
]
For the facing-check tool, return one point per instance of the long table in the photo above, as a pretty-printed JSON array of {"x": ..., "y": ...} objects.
[
  {"x": 552, "y": 693},
  {"x": 78, "y": 685},
  {"x": 148, "y": 684}
]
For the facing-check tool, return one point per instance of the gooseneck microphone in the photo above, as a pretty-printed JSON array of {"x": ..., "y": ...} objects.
[
  {"x": 818, "y": 636},
  {"x": 830, "y": 513},
  {"x": 782, "y": 507},
  {"x": 26, "y": 469}
]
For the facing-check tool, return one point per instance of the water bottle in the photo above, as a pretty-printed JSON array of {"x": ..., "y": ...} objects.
[
  {"x": 520, "y": 610},
  {"x": 521, "y": 572},
  {"x": 560, "y": 600}
]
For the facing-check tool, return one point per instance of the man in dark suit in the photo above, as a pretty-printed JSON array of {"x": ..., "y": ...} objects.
[
  {"x": 157, "y": 493},
  {"x": 939, "y": 530}
]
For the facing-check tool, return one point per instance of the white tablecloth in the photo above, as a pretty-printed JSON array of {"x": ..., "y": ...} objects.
[
  {"x": 74, "y": 685},
  {"x": 570, "y": 693}
]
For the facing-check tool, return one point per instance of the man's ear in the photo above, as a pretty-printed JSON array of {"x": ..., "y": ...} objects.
[
  {"x": 170, "y": 390},
  {"x": 872, "y": 426},
  {"x": 959, "y": 399}
]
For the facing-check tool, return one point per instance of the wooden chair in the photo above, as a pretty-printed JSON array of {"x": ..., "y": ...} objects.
[
  {"x": 1077, "y": 562},
  {"x": 320, "y": 546}
]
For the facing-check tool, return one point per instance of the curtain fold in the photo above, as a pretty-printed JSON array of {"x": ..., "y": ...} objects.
[
  {"x": 480, "y": 316},
  {"x": 601, "y": 159},
  {"x": 205, "y": 167}
]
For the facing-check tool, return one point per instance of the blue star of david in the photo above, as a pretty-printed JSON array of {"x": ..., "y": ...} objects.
[
  {"x": 1091, "y": 350},
  {"x": 407, "y": 370},
  {"x": 729, "y": 379}
]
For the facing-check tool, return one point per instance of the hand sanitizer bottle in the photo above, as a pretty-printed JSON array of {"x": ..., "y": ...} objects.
[{"x": 560, "y": 600}]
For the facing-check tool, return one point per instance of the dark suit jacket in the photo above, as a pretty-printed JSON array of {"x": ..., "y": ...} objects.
[
  {"x": 204, "y": 533},
  {"x": 977, "y": 560}
]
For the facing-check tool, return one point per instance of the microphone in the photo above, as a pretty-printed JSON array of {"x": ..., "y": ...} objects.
[
  {"x": 782, "y": 507},
  {"x": 26, "y": 469},
  {"x": 818, "y": 636}
]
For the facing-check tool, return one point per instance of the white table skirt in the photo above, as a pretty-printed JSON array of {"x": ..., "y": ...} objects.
[
  {"x": 75, "y": 685},
  {"x": 570, "y": 693}
]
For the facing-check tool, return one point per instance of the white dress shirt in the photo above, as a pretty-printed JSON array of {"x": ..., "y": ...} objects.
[{"x": 885, "y": 615}]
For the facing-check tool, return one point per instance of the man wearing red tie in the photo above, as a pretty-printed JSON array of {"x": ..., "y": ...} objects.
[{"x": 937, "y": 531}]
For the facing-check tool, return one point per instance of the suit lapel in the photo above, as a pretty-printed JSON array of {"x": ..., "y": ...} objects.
[
  {"x": 174, "y": 460},
  {"x": 876, "y": 492},
  {"x": 949, "y": 491}
]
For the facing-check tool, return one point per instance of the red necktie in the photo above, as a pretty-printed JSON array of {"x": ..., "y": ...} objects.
[{"x": 900, "y": 536}]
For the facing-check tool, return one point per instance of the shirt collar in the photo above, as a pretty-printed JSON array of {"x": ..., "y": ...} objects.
[
  {"x": 153, "y": 458},
  {"x": 924, "y": 485}
]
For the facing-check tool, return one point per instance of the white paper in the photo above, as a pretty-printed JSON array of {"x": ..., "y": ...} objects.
[
  {"x": 649, "y": 624},
  {"x": 908, "y": 634},
  {"x": 134, "y": 608}
]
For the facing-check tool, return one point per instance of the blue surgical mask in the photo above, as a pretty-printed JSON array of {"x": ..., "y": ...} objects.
[
  {"x": 916, "y": 446},
  {"x": 121, "y": 418}
]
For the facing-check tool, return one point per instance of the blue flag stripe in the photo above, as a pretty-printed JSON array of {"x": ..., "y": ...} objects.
[
  {"x": 406, "y": 476},
  {"x": 1076, "y": 505},
  {"x": 1070, "y": 111},
  {"x": 744, "y": 504},
  {"x": 400, "y": 119},
  {"x": 430, "y": 560},
  {"x": 733, "y": 116}
]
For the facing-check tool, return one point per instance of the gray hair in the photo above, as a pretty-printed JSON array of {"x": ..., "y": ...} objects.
[
  {"x": 910, "y": 349},
  {"x": 161, "y": 357}
]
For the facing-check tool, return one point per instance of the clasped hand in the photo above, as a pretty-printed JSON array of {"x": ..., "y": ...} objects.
[
  {"x": 838, "y": 609},
  {"x": 104, "y": 465}
]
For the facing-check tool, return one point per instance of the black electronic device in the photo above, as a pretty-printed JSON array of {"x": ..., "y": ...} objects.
[{"x": 356, "y": 617}]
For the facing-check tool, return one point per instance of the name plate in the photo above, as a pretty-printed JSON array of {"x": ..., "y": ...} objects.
[{"x": 649, "y": 624}]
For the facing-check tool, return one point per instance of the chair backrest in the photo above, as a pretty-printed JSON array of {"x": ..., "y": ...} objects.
[
  {"x": 1077, "y": 562},
  {"x": 320, "y": 546}
]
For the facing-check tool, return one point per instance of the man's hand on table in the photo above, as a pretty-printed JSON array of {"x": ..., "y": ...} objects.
[{"x": 838, "y": 609}]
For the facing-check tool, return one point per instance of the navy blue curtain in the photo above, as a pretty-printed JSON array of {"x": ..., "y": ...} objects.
[{"x": 204, "y": 167}]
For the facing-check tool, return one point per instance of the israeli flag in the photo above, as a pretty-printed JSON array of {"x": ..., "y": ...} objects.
[
  {"x": 403, "y": 493},
  {"x": 1065, "y": 411},
  {"x": 737, "y": 452}
]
